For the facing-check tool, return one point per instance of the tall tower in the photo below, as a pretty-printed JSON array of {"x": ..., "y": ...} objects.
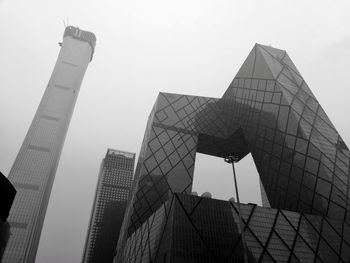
[
  {"x": 114, "y": 182},
  {"x": 34, "y": 169}
]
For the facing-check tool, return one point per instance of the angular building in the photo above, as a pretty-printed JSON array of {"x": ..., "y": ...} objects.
[
  {"x": 34, "y": 169},
  {"x": 112, "y": 191},
  {"x": 197, "y": 229},
  {"x": 269, "y": 111}
]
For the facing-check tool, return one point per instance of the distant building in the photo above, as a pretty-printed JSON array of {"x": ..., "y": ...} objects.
[
  {"x": 34, "y": 169},
  {"x": 114, "y": 182},
  {"x": 7, "y": 195}
]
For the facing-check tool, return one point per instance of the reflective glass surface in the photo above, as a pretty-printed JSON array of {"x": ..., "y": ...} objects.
[{"x": 269, "y": 111}]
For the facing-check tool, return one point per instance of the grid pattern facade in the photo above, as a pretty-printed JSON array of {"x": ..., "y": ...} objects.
[
  {"x": 34, "y": 169},
  {"x": 197, "y": 229},
  {"x": 269, "y": 111},
  {"x": 111, "y": 195},
  {"x": 302, "y": 161}
]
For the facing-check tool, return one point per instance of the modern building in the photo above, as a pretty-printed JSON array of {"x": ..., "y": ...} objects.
[
  {"x": 112, "y": 191},
  {"x": 269, "y": 111},
  {"x": 197, "y": 229},
  {"x": 34, "y": 169},
  {"x": 7, "y": 195}
]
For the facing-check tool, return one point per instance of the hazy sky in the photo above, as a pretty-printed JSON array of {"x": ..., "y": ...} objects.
[{"x": 143, "y": 47}]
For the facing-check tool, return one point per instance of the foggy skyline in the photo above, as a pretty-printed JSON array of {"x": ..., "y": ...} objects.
[{"x": 144, "y": 48}]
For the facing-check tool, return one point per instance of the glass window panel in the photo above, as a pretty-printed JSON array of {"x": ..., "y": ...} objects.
[
  {"x": 287, "y": 84},
  {"x": 340, "y": 182},
  {"x": 239, "y": 92},
  {"x": 311, "y": 165},
  {"x": 262, "y": 84},
  {"x": 279, "y": 137},
  {"x": 297, "y": 173},
  {"x": 260, "y": 96},
  {"x": 294, "y": 188},
  {"x": 323, "y": 187},
  {"x": 287, "y": 155},
  {"x": 338, "y": 197},
  {"x": 268, "y": 146},
  {"x": 283, "y": 179},
  {"x": 276, "y": 98},
  {"x": 160, "y": 155},
  {"x": 277, "y": 150},
  {"x": 268, "y": 97},
  {"x": 290, "y": 141},
  {"x": 275, "y": 162},
  {"x": 309, "y": 115},
  {"x": 286, "y": 99},
  {"x": 298, "y": 106},
  {"x": 269, "y": 134},
  {"x": 293, "y": 124},
  {"x": 345, "y": 252},
  {"x": 305, "y": 127},
  {"x": 313, "y": 151},
  {"x": 323, "y": 116},
  {"x": 326, "y": 130},
  {"x": 306, "y": 195},
  {"x": 283, "y": 117},
  {"x": 312, "y": 104},
  {"x": 270, "y": 85},
  {"x": 247, "y": 83},
  {"x": 302, "y": 95},
  {"x": 335, "y": 211},
  {"x": 258, "y": 106},
  {"x": 309, "y": 180},
  {"x": 301, "y": 145}
]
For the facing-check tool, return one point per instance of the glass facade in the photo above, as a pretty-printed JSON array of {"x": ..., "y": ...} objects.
[
  {"x": 107, "y": 214},
  {"x": 34, "y": 169},
  {"x": 208, "y": 230},
  {"x": 302, "y": 161},
  {"x": 269, "y": 111},
  {"x": 198, "y": 229}
]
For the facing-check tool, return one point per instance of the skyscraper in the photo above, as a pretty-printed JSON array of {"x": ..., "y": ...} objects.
[
  {"x": 113, "y": 186},
  {"x": 34, "y": 169},
  {"x": 269, "y": 111}
]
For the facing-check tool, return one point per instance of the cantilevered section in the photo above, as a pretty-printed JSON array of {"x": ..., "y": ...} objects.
[{"x": 34, "y": 169}]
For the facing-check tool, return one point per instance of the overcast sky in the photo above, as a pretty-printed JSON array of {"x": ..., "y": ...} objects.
[{"x": 143, "y": 47}]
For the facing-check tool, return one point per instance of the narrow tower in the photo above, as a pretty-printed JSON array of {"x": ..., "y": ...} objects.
[
  {"x": 113, "y": 186},
  {"x": 34, "y": 169}
]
